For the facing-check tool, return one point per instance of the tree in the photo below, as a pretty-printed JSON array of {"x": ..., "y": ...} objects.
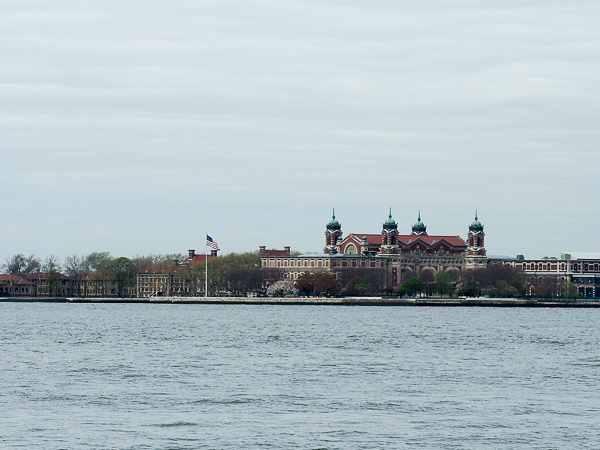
[
  {"x": 443, "y": 282},
  {"x": 351, "y": 276},
  {"x": 96, "y": 259},
  {"x": 77, "y": 268},
  {"x": 323, "y": 283},
  {"x": 233, "y": 274},
  {"x": 427, "y": 277},
  {"x": 356, "y": 287},
  {"x": 496, "y": 280},
  {"x": 570, "y": 291},
  {"x": 51, "y": 268},
  {"x": 411, "y": 287},
  {"x": 470, "y": 289},
  {"x": 282, "y": 288},
  {"x": 22, "y": 265},
  {"x": 122, "y": 270}
]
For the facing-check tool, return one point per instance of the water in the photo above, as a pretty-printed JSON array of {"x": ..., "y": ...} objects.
[{"x": 307, "y": 377}]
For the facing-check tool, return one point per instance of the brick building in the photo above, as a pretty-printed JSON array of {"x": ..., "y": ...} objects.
[
  {"x": 550, "y": 276},
  {"x": 394, "y": 256},
  {"x": 175, "y": 280}
]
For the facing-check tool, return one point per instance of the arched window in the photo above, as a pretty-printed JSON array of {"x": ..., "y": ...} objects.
[{"x": 350, "y": 249}]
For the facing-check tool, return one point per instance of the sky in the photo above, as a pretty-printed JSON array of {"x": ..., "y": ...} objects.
[{"x": 137, "y": 127}]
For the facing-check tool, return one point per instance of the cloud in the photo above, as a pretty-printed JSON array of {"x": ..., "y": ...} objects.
[{"x": 122, "y": 122}]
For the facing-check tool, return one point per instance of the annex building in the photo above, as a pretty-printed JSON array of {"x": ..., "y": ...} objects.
[{"x": 549, "y": 277}]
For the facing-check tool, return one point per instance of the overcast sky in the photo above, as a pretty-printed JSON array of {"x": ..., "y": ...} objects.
[{"x": 136, "y": 127}]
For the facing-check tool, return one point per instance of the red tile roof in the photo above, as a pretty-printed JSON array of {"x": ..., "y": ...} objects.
[
  {"x": 14, "y": 279},
  {"x": 455, "y": 241},
  {"x": 375, "y": 239},
  {"x": 372, "y": 239},
  {"x": 46, "y": 275}
]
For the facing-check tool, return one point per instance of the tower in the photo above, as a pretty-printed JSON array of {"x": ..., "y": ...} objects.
[
  {"x": 476, "y": 253},
  {"x": 419, "y": 228},
  {"x": 333, "y": 234},
  {"x": 389, "y": 236}
]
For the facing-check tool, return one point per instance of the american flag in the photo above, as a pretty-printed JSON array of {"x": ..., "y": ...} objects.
[{"x": 211, "y": 243}]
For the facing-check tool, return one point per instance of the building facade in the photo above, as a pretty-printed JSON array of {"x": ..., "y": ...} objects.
[
  {"x": 392, "y": 256},
  {"x": 172, "y": 280},
  {"x": 551, "y": 277}
]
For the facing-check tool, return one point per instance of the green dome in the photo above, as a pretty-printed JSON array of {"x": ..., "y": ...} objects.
[
  {"x": 390, "y": 224},
  {"x": 333, "y": 224},
  {"x": 476, "y": 225},
  {"x": 419, "y": 227}
]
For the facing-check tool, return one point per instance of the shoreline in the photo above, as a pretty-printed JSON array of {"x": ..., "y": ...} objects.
[{"x": 345, "y": 301}]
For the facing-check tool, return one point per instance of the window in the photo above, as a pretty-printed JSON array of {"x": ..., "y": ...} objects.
[
  {"x": 524, "y": 266},
  {"x": 586, "y": 267},
  {"x": 595, "y": 267},
  {"x": 532, "y": 266},
  {"x": 548, "y": 266},
  {"x": 350, "y": 249},
  {"x": 562, "y": 266},
  {"x": 540, "y": 266}
]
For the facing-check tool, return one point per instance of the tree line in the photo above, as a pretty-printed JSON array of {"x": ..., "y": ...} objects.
[{"x": 239, "y": 273}]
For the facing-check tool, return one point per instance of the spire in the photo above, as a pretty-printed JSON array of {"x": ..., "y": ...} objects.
[
  {"x": 476, "y": 225},
  {"x": 419, "y": 227},
  {"x": 390, "y": 224},
  {"x": 333, "y": 224}
]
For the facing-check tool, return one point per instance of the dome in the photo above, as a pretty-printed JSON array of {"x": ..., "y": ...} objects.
[
  {"x": 419, "y": 227},
  {"x": 476, "y": 225},
  {"x": 333, "y": 224},
  {"x": 390, "y": 224}
]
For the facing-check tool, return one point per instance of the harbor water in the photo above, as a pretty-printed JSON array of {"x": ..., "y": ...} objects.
[{"x": 160, "y": 376}]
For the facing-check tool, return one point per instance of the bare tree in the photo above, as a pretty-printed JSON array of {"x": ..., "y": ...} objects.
[
  {"x": 77, "y": 268},
  {"x": 22, "y": 265}
]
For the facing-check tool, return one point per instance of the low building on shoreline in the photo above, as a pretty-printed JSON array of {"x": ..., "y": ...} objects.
[{"x": 551, "y": 277}]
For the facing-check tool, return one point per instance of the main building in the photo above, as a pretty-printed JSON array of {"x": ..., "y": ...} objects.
[{"x": 394, "y": 257}]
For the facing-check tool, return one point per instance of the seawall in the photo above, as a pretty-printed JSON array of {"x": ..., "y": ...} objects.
[{"x": 348, "y": 301}]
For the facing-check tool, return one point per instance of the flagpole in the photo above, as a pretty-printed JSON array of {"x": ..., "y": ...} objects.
[{"x": 206, "y": 267}]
